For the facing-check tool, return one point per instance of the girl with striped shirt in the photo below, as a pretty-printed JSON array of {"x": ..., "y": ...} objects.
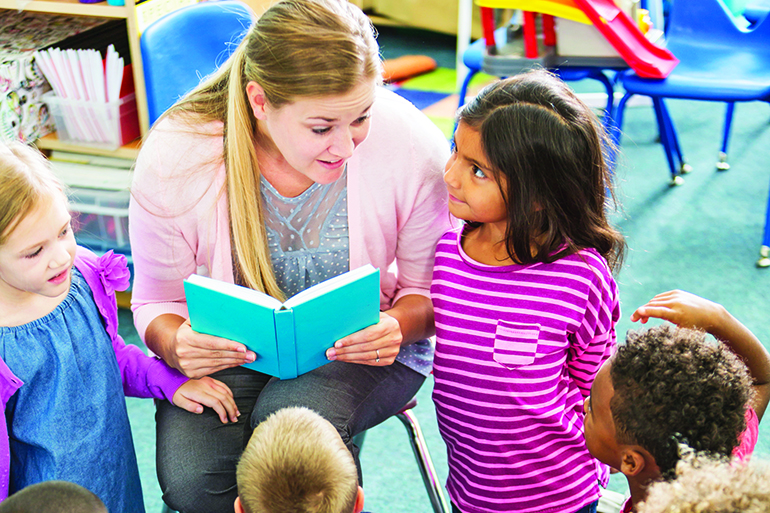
[{"x": 524, "y": 298}]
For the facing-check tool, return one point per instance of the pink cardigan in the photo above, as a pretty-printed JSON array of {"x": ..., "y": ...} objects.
[{"x": 179, "y": 224}]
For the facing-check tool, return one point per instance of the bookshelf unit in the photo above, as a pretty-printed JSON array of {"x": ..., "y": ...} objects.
[{"x": 104, "y": 10}]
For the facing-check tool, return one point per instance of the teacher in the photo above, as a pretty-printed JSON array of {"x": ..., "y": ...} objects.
[{"x": 288, "y": 166}]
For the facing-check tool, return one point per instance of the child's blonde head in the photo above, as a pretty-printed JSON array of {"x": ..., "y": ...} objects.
[
  {"x": 53, "y": 497},
  {"x": 296, "y": 461},
  {"x": 707, "y": 486},
  {"x": 26, "y": 179}
]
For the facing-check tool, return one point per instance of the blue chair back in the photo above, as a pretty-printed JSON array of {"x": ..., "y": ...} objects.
[
  {"x": 705, "y": 23},
  {"x": 184, "y": 46}
]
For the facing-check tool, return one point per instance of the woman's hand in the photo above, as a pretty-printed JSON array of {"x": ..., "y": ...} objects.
[
  {"x": 197, "y": 355},
  {"x": 378, "y": 344},
  {"x": 197, "y": 393}
]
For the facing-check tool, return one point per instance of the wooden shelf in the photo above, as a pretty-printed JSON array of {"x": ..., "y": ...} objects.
[
  {"x": 123, "y": 299},
  {"x": 52, "y": 142},
  {"x": 101, "y": 9},
  {"x": 74, "y": 7}
]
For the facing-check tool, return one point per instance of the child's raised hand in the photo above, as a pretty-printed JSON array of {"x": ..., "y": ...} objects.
[
  {"x": 691, "y": 311},
  {"x": 683, "y": 309},
  {"x": 197, "y": 393}
]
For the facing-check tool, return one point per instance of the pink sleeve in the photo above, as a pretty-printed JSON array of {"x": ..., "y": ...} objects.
[
  {"x": 427, "y": 222},
  {"x": 175, "y": 219},
  {"x": 397, "y": 199},
  {"x": 748, "y": 439}
]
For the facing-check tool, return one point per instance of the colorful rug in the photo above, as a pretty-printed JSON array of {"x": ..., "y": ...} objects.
[{"x": 435, "y": 93}]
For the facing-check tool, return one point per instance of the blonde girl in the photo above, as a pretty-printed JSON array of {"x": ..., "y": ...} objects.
[{"x": 64, "y": 368}]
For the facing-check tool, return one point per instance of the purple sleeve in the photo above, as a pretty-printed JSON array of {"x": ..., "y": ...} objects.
[
  {"x": 142, "y": 375},
  {"x": 9, "y": 384},
  {"x": 145, "y": 376},
  {"x": 594, "y": 342}
]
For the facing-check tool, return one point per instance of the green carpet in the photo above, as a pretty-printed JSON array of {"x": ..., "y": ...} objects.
[{"x": 703, "y": 237}]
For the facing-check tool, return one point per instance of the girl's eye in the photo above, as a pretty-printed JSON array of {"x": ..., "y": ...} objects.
[
  {"x": 64, "y": 232},
  {"x": 362, "y": 119},
  {"x": 321, "y": 131},
  {"x": 478, "y": 173},
  {"x": 36, "y": 253}
]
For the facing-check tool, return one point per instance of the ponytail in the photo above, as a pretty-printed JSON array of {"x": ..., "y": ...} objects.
[{"x": 249, "y": 237}]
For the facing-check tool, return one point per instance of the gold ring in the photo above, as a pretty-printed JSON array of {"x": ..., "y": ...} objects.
[{"x": 377, "y": 352}]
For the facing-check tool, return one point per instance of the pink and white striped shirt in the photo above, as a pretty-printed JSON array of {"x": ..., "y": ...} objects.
[{"x": 517, "y": 348}]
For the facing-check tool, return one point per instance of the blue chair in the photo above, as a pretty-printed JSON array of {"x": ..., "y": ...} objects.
[
  {"x": 756, "y": 11},
  {"x": 719, "y": 61},
  {"x": 764, "y": 250},
  {"x": 186, "y": 45}
]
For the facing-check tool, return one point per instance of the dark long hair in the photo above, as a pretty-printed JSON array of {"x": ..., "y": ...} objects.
[{"x": 547, "y": 148}]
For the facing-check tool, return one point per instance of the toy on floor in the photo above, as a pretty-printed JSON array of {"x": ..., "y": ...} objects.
[
  {"x": 406, "y": 66},
  {"x": 570, "y": 43}
]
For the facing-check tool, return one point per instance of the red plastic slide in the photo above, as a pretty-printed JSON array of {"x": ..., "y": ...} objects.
[{"x": 646, "y": 58}]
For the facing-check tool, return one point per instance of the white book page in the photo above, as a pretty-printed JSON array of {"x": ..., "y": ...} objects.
[
  {"x": 320, "y": 289},
  {"x": 236, "y": 291}
]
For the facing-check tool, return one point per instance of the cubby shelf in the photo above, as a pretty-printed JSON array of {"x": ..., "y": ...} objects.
[
  {"x": 100, "y": 9},
  {"x": 52, "y": 142}
]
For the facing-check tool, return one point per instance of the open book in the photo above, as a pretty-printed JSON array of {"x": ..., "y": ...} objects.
[{"x": 290, "y": 338}]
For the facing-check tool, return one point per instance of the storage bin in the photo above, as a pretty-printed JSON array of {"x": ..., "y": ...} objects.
[
  {"x": 102, "y": 125},
  {"x": 100, "y": 219}
]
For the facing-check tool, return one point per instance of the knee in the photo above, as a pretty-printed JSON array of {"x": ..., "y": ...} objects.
[
  {"x": 266, "y": 406},
  {"x": 198, "y": 492}
]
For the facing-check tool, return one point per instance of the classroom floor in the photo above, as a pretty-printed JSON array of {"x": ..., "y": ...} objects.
[{"x": 703, "y": 236}]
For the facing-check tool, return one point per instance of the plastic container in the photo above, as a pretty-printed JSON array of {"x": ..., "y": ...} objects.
[
  {"x": 102, "y": 125},
  {"x": 100, "y": 219}
]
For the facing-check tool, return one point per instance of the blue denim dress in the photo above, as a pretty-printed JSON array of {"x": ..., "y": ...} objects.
[{"x": 69, "y": 421}]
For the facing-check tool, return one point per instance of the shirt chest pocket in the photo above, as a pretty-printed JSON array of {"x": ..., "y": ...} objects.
[{"x": 515, "y": 343}]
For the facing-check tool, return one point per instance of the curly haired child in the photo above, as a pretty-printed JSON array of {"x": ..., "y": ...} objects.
[
  {"x": 669, "y": 386},
  {"x": 712, "y": 486}
]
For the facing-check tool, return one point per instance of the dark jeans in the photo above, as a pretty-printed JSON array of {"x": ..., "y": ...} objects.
[
  {"x": 197, "y": 454},
  {"x": 591, "y": 508}
]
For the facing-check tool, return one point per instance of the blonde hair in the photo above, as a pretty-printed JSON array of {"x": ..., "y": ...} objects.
[
  {"x": 711, "y": 486},
  {"x": 296, "y": 49},
  {"x": 296, "y": 462},
  {"x": 25, "y": 179}
]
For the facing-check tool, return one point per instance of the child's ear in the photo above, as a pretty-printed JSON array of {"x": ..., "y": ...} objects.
[
  {"x": 238, "y": 506},
  {"x": 359, "y": 507},
  {"x": 632, "y": 462}
]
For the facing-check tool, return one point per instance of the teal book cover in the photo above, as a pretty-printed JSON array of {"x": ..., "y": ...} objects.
[{"x": 289, "y": 338}]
